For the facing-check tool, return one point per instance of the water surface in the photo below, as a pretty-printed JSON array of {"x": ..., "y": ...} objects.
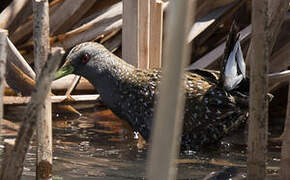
[{"x": 98, "y": 145}]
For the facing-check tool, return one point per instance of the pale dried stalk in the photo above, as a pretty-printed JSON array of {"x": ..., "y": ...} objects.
[
  {"x": 279, "y": 61},
  {"x": 26, "y": 85},
  {"x": 74, "y": 83},
  {"x": 258, "y": 125},
  {"x": 44, "y": 124},
  {"x": 64, "y": 83},
  {"x": 285, "y": 161},
  {"x": 277, "y": 11},
  {"x": 69, "y": 12},
  {"x": 208, "y": 24},
  {"x": 14, "y": 164},
  {"x": 130, "y": 44},
  {"x": 3, "y": 56},
  {"x": 10, "y": 12},
  {"x": 169, "y": 110},
  {"x": 97, "y": 16},
  {"x": 104, "y": 22},
  {"x": 156, "y": 33},
  {"x": 16, "y": 58},
  {"x": 24, "y": 31},
  {"x": 114, "y": 43},
  {"x": 21, "y": 16},
  {"x": 266, "y": 20},
  {"x": 69, "y": 40},
  {"x": 18, "y": 100},
  {"x": 144, "y": 33}
]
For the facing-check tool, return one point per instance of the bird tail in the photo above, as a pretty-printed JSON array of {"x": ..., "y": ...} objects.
[
  {"x": 232, "y": 65},
  {"x": 233, "y": 69}
]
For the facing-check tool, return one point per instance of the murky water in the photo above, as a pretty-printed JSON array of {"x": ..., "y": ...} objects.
[{"x": 98, "y": 145}]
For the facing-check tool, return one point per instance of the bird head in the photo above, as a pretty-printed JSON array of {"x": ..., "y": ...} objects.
[{"x": 81, "y": 59}]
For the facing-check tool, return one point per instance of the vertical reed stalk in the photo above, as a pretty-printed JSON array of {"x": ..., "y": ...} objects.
[
  {"x": 267, "y": 17},
  {"x": 156, "y": 33},
  {"x": 143, "y": 33},
  {"x": 44, "y": 126},
  {"x": 258, "y": 125},
  {"x": 130, "y": 43},
  {"x": 169, "y": 111},
  {"x": 3, "y": 56}
]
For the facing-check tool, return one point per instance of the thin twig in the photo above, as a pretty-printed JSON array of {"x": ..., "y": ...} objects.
[
  {"x": 73, "y": 85},
  {"x": 14, "y": 164}
]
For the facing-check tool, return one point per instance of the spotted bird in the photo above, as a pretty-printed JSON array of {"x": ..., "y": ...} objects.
[{"x": 215, "y": 103}]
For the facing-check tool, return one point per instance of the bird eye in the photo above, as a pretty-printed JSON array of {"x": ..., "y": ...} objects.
[{"x": 85, "y": 58}]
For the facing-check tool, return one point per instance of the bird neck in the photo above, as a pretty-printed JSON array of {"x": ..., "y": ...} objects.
[{"x": 113, "y": 73}]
